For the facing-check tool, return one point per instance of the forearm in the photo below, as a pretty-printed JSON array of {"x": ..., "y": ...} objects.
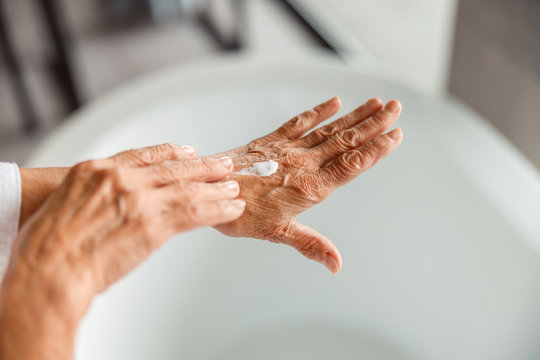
[
  {"x": 33, "y": 324},
  {"x": 37, "y": 185}
]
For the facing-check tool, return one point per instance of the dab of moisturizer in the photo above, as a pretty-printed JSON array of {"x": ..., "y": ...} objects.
[{"x": 262, "y": 168}]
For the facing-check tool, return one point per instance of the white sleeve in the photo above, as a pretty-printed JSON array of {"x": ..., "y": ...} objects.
[{"x": 10, "y": 209}]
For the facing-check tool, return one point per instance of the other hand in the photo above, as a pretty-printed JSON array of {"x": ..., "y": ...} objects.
[
  {"x": 105, "y": 219},
  {"x": 311, "y": 166}
]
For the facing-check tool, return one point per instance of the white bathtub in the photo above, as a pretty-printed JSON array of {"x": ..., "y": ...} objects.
[{"x": 439, "y": 241}]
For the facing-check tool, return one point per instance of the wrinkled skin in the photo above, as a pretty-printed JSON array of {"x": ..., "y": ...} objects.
[
  {"x": 105, "y": 219},
  {"x": 311, "y": 166},
  {"x": 85, "y": 228}
]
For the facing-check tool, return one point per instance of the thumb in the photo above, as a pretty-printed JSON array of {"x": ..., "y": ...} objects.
[{"x": 312, "y": 245}]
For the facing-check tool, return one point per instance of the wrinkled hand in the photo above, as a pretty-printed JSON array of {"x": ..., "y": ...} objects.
[
  {"x": 111, "y": 214},
  {"x": 311, "y": 167},
  {"x": 105, "y": 219}
]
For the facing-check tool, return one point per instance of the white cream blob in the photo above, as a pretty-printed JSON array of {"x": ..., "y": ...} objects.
[{"x": 262, "y": 168}]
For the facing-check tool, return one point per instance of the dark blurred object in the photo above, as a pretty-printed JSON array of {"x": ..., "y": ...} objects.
[
  {"x": 225, "y": 21},
  {"x": 118, "y": 14},
  {"x": 309, "y": 24},
  {"x": 27, "y": 111},
  {"x": 222, "y": 19},
  {"x": 61, "y": 63},
  {"x": 127, "y": 10}
]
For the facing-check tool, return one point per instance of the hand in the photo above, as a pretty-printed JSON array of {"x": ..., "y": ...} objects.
[
  {"x": 105, "y": 219},
  {"x": 310, "y": 168}
]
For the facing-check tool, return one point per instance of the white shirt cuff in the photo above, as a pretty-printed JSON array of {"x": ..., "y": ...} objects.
[{"x": 10, "y": 210}]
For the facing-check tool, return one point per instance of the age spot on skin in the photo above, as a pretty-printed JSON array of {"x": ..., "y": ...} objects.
[{"x": 262, "y": 168}]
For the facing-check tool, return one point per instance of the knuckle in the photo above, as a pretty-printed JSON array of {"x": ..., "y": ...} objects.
[
  {"x": 308, "y": 116},
  {"x": 350, "y": 138},
  {"x": 255, "y": 144},
  {"x": 311, "y": 113},
  {"x": 186, "y": 169},
  {"x": 379, "y": 119},
  {"x": 354, "y": 160},
  {"x": 175, "y": 152},
  {"x": 379, "y": 146},
  {"x": 302, "y": 118},
  {"x": 140, "y": 156},
  {"x": 290, "y": 126},
  {"x": 117, "y": 177},
  {"x": 165, "y": 148},
  {"x": 184, "y": 194},
  {"x": 85, "y": 167},
  {"x": 170, "y": 171},
  {"x": 327, "y": 130},
  {"x": 295, "y": 121},
  {"x": 373, "y": 126},
  {"x": 308, "y": 248},
  {"x": 382, "y": 142},
  {"x": 207, "y": 165},
  {"x": 102, "y": 176},
  {"x": 152, "y": 153},
  {"x": 193, "y": 213},
  {"x": 295, "y": 159},
  {"x": 298, "y": 122}
]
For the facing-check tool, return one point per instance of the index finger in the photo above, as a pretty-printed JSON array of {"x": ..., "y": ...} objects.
[
  {"x": 171, "y": 172},
  {"x": 149, "y": 155},
  {"x": 351, "y": 119},
  {"x": 300, "y": 124}
]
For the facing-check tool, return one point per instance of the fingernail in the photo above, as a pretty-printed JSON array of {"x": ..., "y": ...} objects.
[
  {"x": 238, "y": 204},
  {"x": 395, "y": 134},
  {"x": 393, "y": 106},
  {"x": 330, "y": 262},
  {"x": 231, "y": 185},
  {"x": 188, "y": 149},
  {"x": 225, "y": 161}
]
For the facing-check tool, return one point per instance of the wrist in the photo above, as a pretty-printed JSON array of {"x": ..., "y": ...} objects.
[
  {"x": 37, "y": 185},
  {"x": 34, "y": 321}
]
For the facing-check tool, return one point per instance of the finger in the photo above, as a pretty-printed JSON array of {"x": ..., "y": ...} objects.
[
  {"x": 351, "y": 119},
  {"x": 300, "y": 124},
  {"x": 149, "y": 155},
  {"x": 203, "y": 214},
  {"x": 170, "y": 172},
  {"x": 174, "y": 196},
  {"x": 352, "y": 163},
  {"x": 359, "y": 134},
  {"x": 202, "y": 169},
  {"x": 312, "y": 245}
]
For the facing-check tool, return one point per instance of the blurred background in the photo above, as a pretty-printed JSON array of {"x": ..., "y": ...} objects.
[{"x": 57, "y": 55}]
